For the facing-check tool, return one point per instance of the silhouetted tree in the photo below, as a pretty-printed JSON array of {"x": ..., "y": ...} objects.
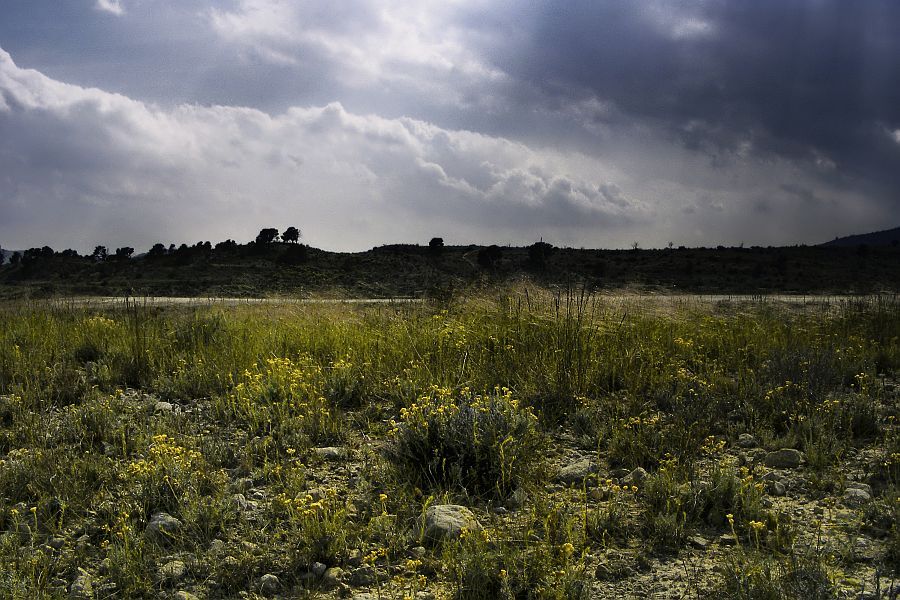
[
  {"x": 538, "y": 253},
  {"x": 33, "y": 254},
  {"x": 69, "y": 253},
  {"x": 291, "y": 234},
  {"x": 490, "y": 256},
  {"x": 267, "y": 235},
  {"x": 226, "y": 245},
  {"x": 436, "y": 245},
  {"x": 124, "y": 253},
  {"x": 157, "y": 250},
  {"x": 99, "y": 253},
  {"x": 16, "y": 258}
]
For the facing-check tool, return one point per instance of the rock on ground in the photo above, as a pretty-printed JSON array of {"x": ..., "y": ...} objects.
[
  {"x": 162, "y": 524},
  {"x": 83, "y": 586},
  {"x": 856, "y": 497},
  {"x": 173, "y": 571},
  {"x": 577, "y": 472},
  {"x": 786, "y": 458},
  {"x": 636, "y": 477},
  {"x": 447, "y": 521},
  {"x": 331, "y": 453},
  {"x": 745, "y": 440},
  {"x": 269, "y": 584}
]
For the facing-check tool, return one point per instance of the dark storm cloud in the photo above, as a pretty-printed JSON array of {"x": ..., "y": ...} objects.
[
  {"x": 791, "y": 77},
  {"x": 594, "y": 122}
]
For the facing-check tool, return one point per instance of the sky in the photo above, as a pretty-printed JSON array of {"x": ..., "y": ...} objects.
[{"x": 585, "y": 123}]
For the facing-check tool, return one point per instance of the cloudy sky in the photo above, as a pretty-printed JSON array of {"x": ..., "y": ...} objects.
[{"x": 593, "y": 123}]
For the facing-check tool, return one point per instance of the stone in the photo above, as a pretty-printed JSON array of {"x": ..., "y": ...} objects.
[
  {"x": 163, "y": 407},
  {"x": 786, "y": 458},
  {"x": 162, "y": 525},
  {"x": 856, "y": 485},
  {"x": 636, "y": 477},
  {"x": 173, "y": 571},
  {"x": 756, "y": 455},
  {"x": 362, "y": 576},
  {"x": 269, "y": 584},
  {"x": 331, "y": 453},
  {"x": 241, "y": 502},
  {"x": 615, "y": 566},
  {"x": 516, "y": 499},
  {"x": 56, "y": 543},
  {"x": 775, "y": 488},
  {"x": 183, "y": 595},
  {"x": 727, "y": 539},
  {"x": 745, "y": 440},
  {"x": 332, "y": 577},
  {"x": 447, "y": 521},
  {"x": 576, "y": 472},
  {"x": 864, "y": 550},
  {"x": 698, "y": 542},
  {"x": 83, "y": 586},
  {"x": 318, "y": 569},
  {"x": 423, "y": 595},
  {"x": 855, "y": 497},
  {"x": 354, "y": 557}
]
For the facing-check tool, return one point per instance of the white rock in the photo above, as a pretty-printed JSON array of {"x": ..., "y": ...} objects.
[{"x": 447, "y": 521}]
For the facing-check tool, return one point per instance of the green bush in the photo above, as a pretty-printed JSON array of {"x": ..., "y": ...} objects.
[{"x": 478, "y": 444}]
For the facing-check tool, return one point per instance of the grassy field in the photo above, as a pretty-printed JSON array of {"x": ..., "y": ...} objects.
[{"x": 597, "y": 448}]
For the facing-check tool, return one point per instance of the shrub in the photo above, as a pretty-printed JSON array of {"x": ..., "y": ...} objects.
[
  {"x": 282, "y": 391},
  {"x": 479, "y": 444},
  {"x": 751, "y": 576},
  {"x": 532, "y": 557}
]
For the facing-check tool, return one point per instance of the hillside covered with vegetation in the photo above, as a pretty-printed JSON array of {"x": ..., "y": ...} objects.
[{"x": 276, "y": 268}]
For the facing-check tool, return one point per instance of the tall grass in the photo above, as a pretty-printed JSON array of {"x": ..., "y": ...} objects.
[{"x": 475, "y": 388}]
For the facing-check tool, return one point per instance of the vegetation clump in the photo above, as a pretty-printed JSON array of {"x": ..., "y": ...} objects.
[{"x": 483, "y": 444}]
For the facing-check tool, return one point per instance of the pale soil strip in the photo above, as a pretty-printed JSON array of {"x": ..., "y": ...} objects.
[{"x": 669, "y": 300}]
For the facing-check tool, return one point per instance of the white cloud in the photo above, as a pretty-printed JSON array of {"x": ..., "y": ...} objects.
[
  {"x": 411, "y": 44},
  {"x": 96, "y": 167},
  {"x": 896, "y": 135},
  {"x": 110, "y": 6},
  {"x": 679, "y": 21}
]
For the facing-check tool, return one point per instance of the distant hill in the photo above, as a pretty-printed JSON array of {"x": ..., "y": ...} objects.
[
  {"x": 888, "y": 237},
  {"x": 280, "y": 269}
]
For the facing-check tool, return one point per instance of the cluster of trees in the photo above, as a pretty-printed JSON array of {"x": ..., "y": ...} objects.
[
  {"x": 101, "y": 253},
  {"x": 269, "y": 235}
]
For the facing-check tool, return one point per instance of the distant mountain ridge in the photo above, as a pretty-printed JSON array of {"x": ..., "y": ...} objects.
[{"x": 888, "y": 237}]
